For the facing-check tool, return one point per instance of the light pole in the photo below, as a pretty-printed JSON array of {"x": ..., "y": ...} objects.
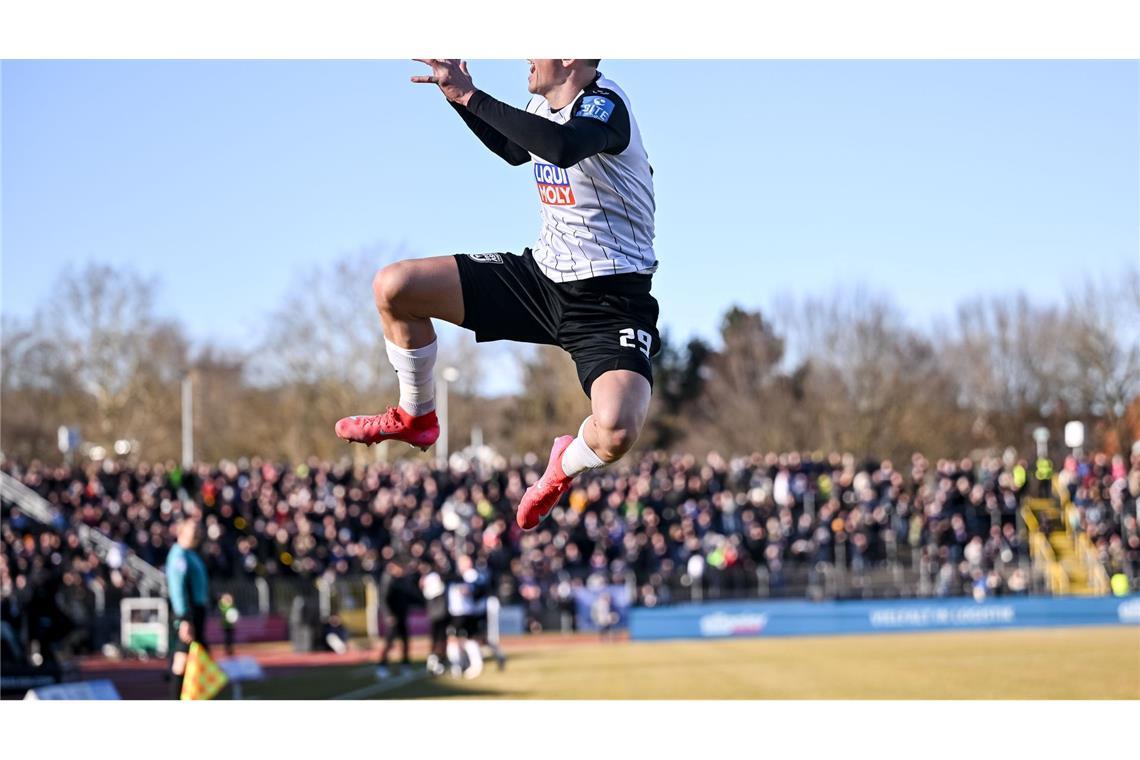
[
  {"x": 1041, "y": 436},
  {"x": 447, "y": 376},
  {"x": 187, "y": 422},
  {"x": 1075, "y": 436}
]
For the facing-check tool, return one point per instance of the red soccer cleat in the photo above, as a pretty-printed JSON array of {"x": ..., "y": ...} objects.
[
  {"x": 541, "y": 497},
  {"x": 394, "y": 424}
]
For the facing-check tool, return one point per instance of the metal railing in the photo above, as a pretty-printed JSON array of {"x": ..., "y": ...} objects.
[
  {"x": 1041, "y": 552},
  {"x": 151, "y": 579},
  {"x": 1086, "y": 552}
]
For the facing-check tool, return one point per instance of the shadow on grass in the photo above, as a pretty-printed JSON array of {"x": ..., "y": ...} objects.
[
  {"x": 444, "y": 687},
  {"x": 331, "y": 681}
]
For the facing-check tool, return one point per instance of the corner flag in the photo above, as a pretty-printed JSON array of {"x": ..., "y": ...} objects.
[{"x": 204, "y": 679}]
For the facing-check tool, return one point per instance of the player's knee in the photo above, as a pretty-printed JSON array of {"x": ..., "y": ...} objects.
[
  {"x": 615, "y": 438},
  {"x": 389, "y": 284}
]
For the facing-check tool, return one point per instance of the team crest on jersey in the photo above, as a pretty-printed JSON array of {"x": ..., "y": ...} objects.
[
  {"x": 553, "y": 185},
  {"x": 595, "y": 107},
  {"x": 486, "y": 258}
]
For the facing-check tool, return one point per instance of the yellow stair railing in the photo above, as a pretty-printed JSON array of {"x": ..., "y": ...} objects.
[
  {"x": 1086, "y": 555},
  {"x": 1041, "y": 549},
  {"x": 1060, "y": 550}
]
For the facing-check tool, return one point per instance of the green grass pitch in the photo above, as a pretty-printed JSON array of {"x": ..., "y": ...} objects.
[{"x": 1070, "y": 663}]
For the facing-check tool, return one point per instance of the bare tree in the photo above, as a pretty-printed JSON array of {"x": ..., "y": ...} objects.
[
  {"x": 550, "y": 402},
  {"x": 870, "y": 383},
  {"x": 742, "y": 404},
  {"x": 324, "y": 350},
  {"x": 123, "y": 359},
  {"x": 37, "y": 393},
  {"x": 1102, "y": 337},
  {"x": 841, "y": 372}
]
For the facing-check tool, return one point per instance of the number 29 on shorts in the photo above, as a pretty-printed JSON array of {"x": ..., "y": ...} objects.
[{"x": 644, "y": 338}]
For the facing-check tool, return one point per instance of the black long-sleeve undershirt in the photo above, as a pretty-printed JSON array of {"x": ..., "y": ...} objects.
[
  {"x": 513, "y": 133},
  {"x": 513, "y": 154}
]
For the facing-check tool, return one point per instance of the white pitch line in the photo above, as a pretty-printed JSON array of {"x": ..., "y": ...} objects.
[{"x": 386, "y": 685}]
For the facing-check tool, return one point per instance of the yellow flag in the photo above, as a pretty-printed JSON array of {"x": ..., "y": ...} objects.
[{"x": 204, "y": 679}]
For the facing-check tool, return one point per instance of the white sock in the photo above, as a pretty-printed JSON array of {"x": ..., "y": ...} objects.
[
  {"x": 414, "y": 371},
  {"x": 578, "y": 456},
  {"x": 474, "y": 658}
]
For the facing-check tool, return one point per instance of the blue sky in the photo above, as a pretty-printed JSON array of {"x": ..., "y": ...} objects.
[{"x": 930, "y": 181}]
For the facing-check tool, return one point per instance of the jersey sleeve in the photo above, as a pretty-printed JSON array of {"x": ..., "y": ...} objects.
[
  {"x": 513, "y": 154},
  {"x": 607, "y": 108},
  {"x": 593, "y": 128}
]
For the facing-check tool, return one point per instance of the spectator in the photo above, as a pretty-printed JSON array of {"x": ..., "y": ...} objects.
[
  {"x": 673, "y": 525},
  {"x": 228, "y": 612},
  {"x": 603, "y": 614},
  {"x": 398, "y": 594}
]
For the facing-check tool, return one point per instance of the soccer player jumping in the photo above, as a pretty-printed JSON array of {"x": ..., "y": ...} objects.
[{"x": 584, "y": 286}]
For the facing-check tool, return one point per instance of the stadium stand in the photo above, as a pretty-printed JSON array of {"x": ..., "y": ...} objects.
[{"x": 668, "y": 527}]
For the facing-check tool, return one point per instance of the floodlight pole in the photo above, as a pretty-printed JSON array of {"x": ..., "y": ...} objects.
[
  {"x": 441, "y": 445},
  {"x": 446, "y": 377},
  {"x": 187, "y": 421}
]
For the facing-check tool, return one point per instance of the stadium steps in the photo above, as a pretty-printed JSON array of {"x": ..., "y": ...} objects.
[
  {"x": 1080, "y": 557},
  {"x": 1059, "y": 549},
  {"x": 150, "y": 578}
]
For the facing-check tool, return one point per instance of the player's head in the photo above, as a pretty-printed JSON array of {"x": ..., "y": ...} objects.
[
  {"x": 189, "y": 532},
  {"x": 463, "y": 563},
  {"x": 548, "y": 73}
]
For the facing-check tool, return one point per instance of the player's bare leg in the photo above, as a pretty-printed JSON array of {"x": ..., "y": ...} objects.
[
  {"x": 619, "y": 405},
  {"x": 408, "y": 295},
  {"x": 619, "y": 402}
]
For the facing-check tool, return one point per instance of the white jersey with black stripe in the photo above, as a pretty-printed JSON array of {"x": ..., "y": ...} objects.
[{"x": 597, "y": 216}]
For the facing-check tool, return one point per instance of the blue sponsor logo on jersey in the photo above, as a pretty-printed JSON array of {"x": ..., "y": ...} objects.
[
  {"x": 546, "y": 174},
  {"x": 596, "y": 107}
]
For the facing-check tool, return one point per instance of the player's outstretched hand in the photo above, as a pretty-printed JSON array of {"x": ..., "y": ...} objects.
[{"x": 452, "y": 77}]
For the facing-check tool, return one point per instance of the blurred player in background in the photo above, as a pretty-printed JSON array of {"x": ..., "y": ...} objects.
[
  {"x": 335, "y": 634},
  {"x": 585, "y": 286},
  {"x": 398, "y": 594},
  {"x": 435, "y": 598},
  {"x": 467, "y": 606},
  {"x": 189, "y": 588}
]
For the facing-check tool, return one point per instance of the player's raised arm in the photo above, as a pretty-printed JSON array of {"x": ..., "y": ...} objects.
[
  {"x": 455, "y": 81},
  {"x": 597, "y": 124},
  {"x": 594, "y": 127},
  {"x": 513, "y": 154}
]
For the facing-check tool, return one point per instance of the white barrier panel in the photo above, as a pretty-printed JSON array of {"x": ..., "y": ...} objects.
[
  {"x": 242, "y": 669},
  {"x": 512, "y": 619},
  {"x": 101, "y": 690},
  {"x": 797, "y": 618},
  {"x": 239, "y": 669}
]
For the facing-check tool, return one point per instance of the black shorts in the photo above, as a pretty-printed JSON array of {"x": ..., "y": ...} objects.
[
  {"x": 604, "y": 323},
  {"x": 469, "y": 626},
  {"x": 396, "y": 627},
  {"x": 439, "y": 629}
]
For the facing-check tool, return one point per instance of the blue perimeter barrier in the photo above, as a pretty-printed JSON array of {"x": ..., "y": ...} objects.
[{"x": 719, "y": 620}]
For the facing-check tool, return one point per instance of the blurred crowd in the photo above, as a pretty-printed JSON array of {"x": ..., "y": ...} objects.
[{"x": 662, "y": 524}]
